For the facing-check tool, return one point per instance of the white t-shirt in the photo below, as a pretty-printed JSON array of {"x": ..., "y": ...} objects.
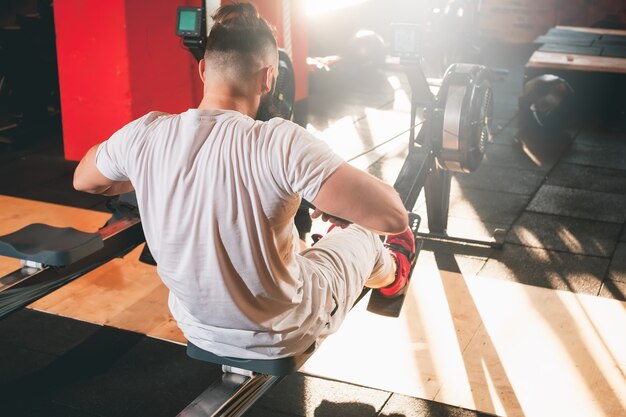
[{"x": 217, "y": 192}]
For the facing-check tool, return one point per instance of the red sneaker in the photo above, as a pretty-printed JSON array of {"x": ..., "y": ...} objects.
[{"x": 402, "y": 249}]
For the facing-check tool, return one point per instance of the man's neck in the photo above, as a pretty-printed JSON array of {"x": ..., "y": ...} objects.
[{"x": 243, "y": 105}]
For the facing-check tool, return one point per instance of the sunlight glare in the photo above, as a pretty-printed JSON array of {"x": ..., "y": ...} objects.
[
  {"x": 318, "y": 7},
  {"x": 573, "y": 245},
  {"x": 528, "y": 237},
  {"x": 494, "y": 391}
]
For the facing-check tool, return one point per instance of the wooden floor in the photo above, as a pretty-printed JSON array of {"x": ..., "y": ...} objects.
[
  {"x": 484, "y": 344},
  {"x": 123, "y": 293}
]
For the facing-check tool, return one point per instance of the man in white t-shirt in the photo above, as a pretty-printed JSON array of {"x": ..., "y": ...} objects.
[{"x": 218, "y": 191}]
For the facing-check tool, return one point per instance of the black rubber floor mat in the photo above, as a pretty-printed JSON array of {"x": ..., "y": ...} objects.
[
  {"x": 613, "y": 39},
  {"x": 564, "y": 40},
  {"x": 96, "y": 370},
  {"x": 614, "y": 51},
  {"x": 573, "y": 34},
  {"x": 571, "y": 49},
  {"x": 44, "y": 178}
]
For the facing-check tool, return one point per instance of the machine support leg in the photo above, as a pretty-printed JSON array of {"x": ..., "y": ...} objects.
[
  {"x": 414, "y": 172},
  {"x": 437, "y": 193}
]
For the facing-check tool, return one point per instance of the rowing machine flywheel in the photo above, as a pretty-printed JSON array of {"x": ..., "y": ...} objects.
[
  {"x": 280, "y": 102},
  {"x": 285, "y": 92},
  {"x": 462, "y": 118}
]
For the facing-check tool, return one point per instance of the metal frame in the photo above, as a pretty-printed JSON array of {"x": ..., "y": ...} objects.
[{"x": 421, "y": 169}]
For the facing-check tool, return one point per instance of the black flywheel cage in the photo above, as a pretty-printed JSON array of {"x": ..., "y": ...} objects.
[{"x": 461, "y": 118}]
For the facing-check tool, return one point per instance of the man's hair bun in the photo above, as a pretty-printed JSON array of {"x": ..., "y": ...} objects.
[
  {"x": 236, "y": 14},
  {"x": 239, "y": 37}
]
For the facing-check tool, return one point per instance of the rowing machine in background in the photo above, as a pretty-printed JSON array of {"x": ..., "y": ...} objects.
[{"x": 452, "y": 139}]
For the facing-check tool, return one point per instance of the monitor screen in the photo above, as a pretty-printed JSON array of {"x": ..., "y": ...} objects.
[
  {"x": 189, "y": 21},
  {"x": 406, "y": 40}
]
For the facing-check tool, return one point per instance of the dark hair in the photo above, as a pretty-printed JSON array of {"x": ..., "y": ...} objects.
[{"x": 239, "y": 36}]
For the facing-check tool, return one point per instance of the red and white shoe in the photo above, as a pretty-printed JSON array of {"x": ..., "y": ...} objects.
[{"x": 402, "y": 249}]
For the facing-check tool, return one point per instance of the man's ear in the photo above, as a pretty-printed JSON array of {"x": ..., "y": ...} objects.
[
  {"x": 268, "y": 79},
  {"x": 201, "y": 65}
]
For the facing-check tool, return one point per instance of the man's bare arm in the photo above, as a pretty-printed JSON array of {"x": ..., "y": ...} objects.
[
  {"x": 363, "y": 199},
  {"x": 89, "y": 179}
]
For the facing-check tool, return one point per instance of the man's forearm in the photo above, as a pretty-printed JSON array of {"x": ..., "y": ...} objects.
[
  {"x": 118, "y": 188},
  {"x": 360, "y": 198}
]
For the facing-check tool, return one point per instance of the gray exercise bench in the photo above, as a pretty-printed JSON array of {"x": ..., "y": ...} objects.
[{"x": 38, "y": 245}]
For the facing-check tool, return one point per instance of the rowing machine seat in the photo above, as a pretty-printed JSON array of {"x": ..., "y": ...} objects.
[
  {"x": 49, "y": 245},
  {"x": 276, "y": 367}
]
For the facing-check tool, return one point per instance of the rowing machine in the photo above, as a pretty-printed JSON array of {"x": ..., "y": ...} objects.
[{"x": 453, "y": 138}]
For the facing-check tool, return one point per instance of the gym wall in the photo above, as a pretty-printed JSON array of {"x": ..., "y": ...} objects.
[
  {"x": 119, "y": 59},
  {"x": 521, "y": 21}
]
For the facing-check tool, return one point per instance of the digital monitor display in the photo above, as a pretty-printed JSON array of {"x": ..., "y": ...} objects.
[
  {"x": 189, "y": 20},
  {"x": 406, "y": 40}
]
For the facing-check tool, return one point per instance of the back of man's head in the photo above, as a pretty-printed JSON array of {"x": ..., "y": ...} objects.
[{"x": 240, "y": 42}]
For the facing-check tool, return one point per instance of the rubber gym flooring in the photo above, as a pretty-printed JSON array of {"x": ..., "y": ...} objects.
[{"x": 562, "y": 200}]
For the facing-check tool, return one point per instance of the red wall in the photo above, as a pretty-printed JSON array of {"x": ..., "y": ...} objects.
[
  {"x": 164, "y": 75},
  {"x": 93, "y": 71},
  {"x": 119, "y": 59}
]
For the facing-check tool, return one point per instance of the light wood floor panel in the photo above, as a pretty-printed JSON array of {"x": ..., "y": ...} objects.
[
  {"x": 573, "y": 62},
  {"x": 123, "y": 293}
]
